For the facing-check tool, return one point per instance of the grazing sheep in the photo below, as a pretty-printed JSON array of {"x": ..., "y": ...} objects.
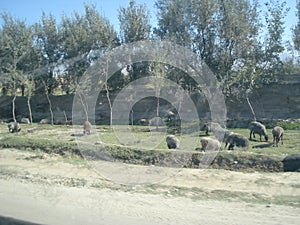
[
  {"x": 171, "y": 115},
  {"x": 210, "y": 144},
  {"x": 68, "y": 123},
  {"x": 44, "y": 121},
  {"x": 277, "y": 135},
  {"x": 25, "y": 120},
  {"x": 87, "y": 126},
  {"x": 14, "y": 127},
  {"x": 144, "y": 122},
  {"x": 172, "y": 142},
  {"x": 235, "y": 139},
  {"x": 258, "y": 128}
]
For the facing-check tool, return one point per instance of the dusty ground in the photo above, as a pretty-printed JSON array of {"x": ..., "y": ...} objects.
[{"x": 49, "y": 189}]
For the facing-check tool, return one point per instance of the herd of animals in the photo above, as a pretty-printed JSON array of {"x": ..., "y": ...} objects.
[
  {"x": 221, "y": 134},
  {"x": 230, "y": 139}
]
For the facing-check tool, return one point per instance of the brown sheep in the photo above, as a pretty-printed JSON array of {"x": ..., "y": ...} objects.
[
  {"x": 277, "y": 135},
  {"x": 87, "y": 126},
  {"x": 68, "y": 123},
  {"x": 234, "y": 139},
  {"x": 258, "y": 128},
  {"x": 172, "y": 142},
  {"x": 14, "y": 127}
]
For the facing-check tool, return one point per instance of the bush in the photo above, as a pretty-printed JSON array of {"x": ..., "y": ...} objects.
[{"x": 289, "y": 125}]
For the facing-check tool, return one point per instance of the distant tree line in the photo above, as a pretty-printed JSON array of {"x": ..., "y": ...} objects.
[{"x": 240, "y": 42}]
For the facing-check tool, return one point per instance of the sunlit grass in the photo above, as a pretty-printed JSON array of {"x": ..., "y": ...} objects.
[
  {"x": 146, "y": 145},
  {"x": 141, "y": 136}
]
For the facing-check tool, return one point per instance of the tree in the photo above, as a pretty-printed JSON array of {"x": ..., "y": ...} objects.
[
  {"x": 107, "y": 92},
  {"x": 134, "y": 23},
  {"x": 296, "y": 30},
  {"x": 135, "y": 26},
  {"x": 16, "y": 42},
  {"x": 49, "y": 102},
  {"x": 257, "y": 65},
  {"x": 238, "y": 48},
  {"x": 85, "y": 38},
  {"x": 83, "y": 103},
  {"x": 175, "y": 21},
  {"x": 227, "y": 36},
  {"x": 204, "y": 31},
  {"x": 30, "y": 86},
  {"x": 276, "y": 12},
  {"x": 159, "y": 73},
  {"x": 215, "y": 30},
  {"x": 49, "y": 41}
]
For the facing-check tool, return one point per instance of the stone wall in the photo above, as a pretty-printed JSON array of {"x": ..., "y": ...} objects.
[{"x": 274, "y": 101}]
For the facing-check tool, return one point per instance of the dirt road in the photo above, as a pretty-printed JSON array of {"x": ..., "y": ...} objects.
[{"x": 45, "y": 189}]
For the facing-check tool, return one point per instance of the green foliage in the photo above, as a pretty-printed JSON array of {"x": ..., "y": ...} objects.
[
  {"x": 229, "y": 36},
  {"x": 276, "y": 12},
  {"x": 175, "y": 21},
  {"x": 134, "y": 26},
  {"x": 134, "y": 23},
  {"x": 16, "y": 41},
  {"x": 286, "y": 125},
  {"x": 296, "y": 30},
  {"x": 86, "y": 37},
  {"x": 48, "y": 39}
]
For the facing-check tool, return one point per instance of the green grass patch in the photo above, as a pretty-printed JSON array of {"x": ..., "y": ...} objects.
[{"x": 59, "y": 139}]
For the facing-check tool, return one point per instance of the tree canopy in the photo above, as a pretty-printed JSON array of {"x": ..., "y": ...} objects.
[
  {"x": 296, "y": 30},
  {"x": 240, "y": 43}
]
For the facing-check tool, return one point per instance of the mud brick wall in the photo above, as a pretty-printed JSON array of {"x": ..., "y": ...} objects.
[{"x": 274, "y": 101}]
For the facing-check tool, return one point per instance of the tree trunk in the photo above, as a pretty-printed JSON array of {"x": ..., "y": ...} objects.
[
  {"x": 13, "y": 107},
  {"x": 84, "y": 105},
  {"x": 131, "y": 117},
  {"x": 29, "y": 109},
  {"x": 50, "y": 108},
  {"x": 49, "y": 102},
  {"x": 157, "y": 112},
  {"x": 30, "y": 89},
  {"x": 251, "y": 108},
  {"x": 65, "y": 115},
  {"x": 109, "y": 104},
  {"x": 108, "y": 98}
]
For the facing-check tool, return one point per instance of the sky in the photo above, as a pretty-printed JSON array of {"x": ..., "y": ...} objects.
[{"x": 31, "y": 10}]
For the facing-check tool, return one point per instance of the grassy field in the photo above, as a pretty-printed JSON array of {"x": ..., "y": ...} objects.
[{"x": 141, "y": 145}]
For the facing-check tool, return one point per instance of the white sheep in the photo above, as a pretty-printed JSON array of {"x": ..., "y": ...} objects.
[
  {"x": 210, "y": 144},
  {"x": 277, "y": 135}
]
